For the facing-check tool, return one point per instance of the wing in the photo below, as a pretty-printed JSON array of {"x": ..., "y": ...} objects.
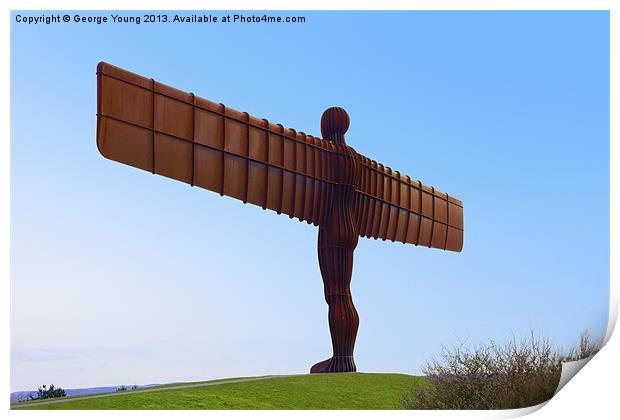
[
  {"x": 395, "y": 207},
  {"x": 160, "y": 129}
]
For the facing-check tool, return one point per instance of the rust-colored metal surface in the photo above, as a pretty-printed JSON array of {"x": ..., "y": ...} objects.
[{"x": 325, "y": 182}]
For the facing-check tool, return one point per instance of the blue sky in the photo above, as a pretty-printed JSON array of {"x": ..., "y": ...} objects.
[{"x": 119, "y": 276}]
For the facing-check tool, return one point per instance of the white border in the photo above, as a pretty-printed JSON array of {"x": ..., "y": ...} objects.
[{"x": 595, "y": 391}]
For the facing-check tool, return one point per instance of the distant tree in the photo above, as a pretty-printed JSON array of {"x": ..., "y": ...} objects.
[
  {"x": 126, "y": 388},
  {"x": 52, "y": 391}
]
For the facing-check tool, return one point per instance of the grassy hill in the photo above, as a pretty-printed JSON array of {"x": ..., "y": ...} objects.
[{"x": 325, "y": 391}]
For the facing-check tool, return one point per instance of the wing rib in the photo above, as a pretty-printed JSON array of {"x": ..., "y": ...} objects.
[{"x": 394, "y": 207}]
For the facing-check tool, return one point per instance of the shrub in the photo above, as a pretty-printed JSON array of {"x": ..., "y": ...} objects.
[
  {"x": 514, "y": 375},
  {"x": 587, "y": 347},
  {"x": 52, "y": 392}
]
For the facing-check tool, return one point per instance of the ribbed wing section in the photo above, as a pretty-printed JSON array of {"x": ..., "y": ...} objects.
[
  {"x": 160, "y": 129},
  {"x": 394, "y": 207}
]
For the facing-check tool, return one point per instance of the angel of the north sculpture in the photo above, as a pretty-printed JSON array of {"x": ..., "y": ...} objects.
[{"x": 324, "y": 182}]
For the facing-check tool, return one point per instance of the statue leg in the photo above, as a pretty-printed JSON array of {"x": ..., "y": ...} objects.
[{"x": 336, "y": 264}]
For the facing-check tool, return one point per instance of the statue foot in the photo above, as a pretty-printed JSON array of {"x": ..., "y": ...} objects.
[{"x": 335, "y": 364}]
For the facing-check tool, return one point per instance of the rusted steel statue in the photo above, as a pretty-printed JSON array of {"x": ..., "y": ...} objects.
[{"x": 325, "y": 182}]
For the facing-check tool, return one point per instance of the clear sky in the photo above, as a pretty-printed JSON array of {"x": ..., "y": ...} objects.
[{"x": 122, "y": 277}]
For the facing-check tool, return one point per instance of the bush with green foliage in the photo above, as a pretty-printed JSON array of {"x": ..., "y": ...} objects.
[
  {"x": 52, "y": 392},
  {"x": 514, "y": 375}
]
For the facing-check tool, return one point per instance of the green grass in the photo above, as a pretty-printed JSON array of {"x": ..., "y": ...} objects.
[
  {"x": 325, "y": 391},
  {"x": 17, "y": 404}
]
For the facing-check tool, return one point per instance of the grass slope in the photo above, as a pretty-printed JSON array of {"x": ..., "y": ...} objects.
[
  {"x": 325, "y": 391},
  {"x": 129, "y": 391}
]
